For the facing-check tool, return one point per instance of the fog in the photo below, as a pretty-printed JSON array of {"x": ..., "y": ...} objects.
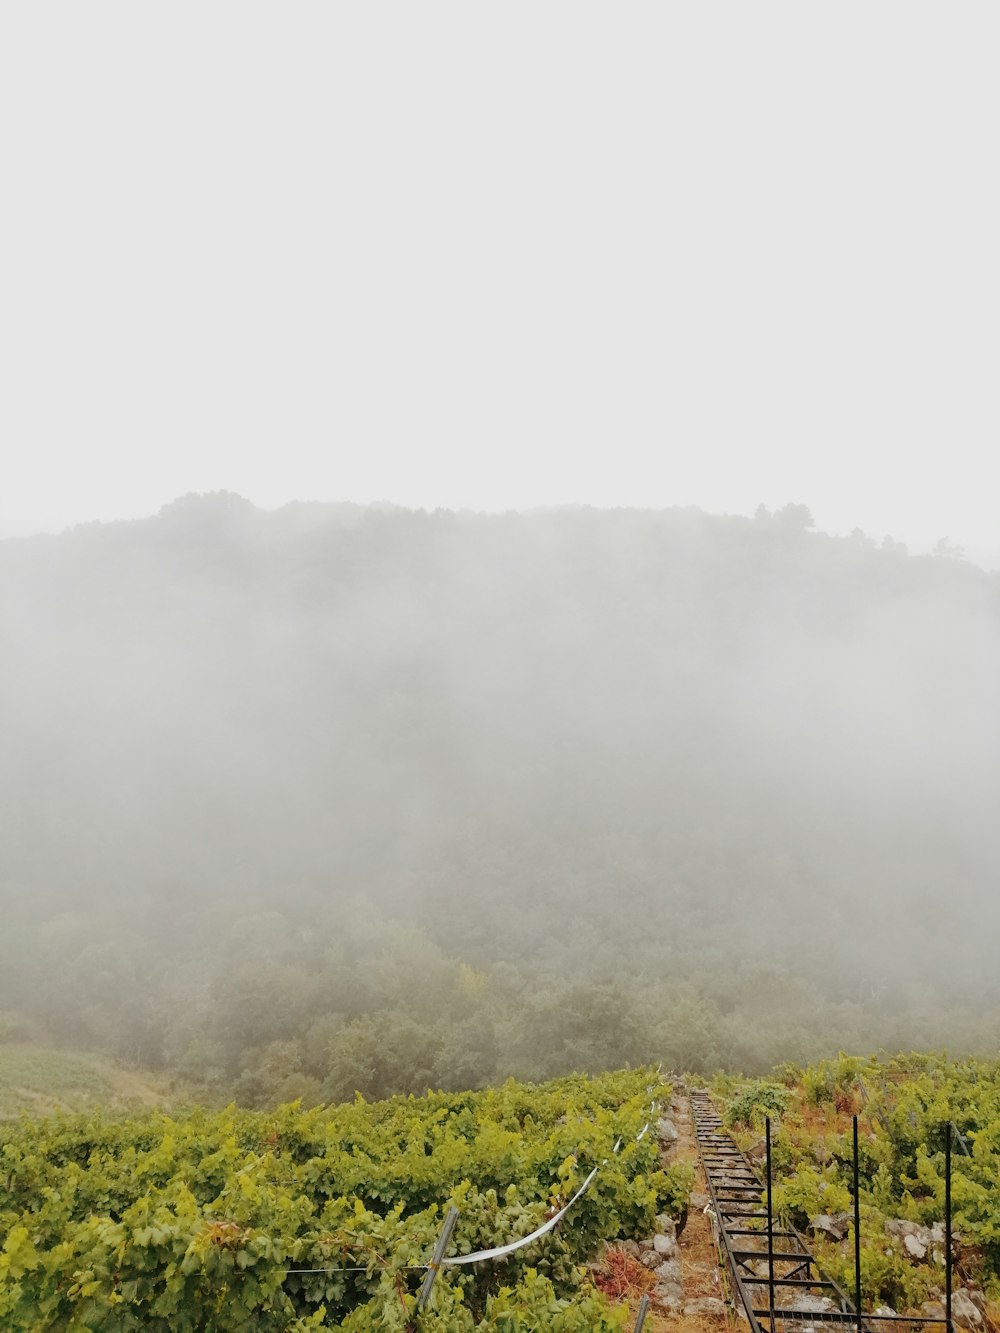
[
  {"x": 334, "y": 796},
  {"x": 503, "y": 257}
]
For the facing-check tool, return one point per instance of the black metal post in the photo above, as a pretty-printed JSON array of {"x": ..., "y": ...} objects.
[
  {"x": 857, "y": 1228},
  {"x": 770, "y": 1227},
  {"x": 947, "y": 1225}
]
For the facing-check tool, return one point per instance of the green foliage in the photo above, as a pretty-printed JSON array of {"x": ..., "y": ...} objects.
[
  {"x": 754, "y": 1101},
  {"x": 904, "y": 1105},
  {"x": 174, "y": 1224},
  {"x": 534, "y": 1305},
  {"x": 678, "y": 1182},
  {"x": 810, "y": 1191},
  {"x": 888, "y": 1276}
]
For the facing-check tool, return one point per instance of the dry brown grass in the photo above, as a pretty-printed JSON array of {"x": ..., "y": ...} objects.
[
  {"x": 657, "y": 1322},
  {"x": 623, "y": 1278}
]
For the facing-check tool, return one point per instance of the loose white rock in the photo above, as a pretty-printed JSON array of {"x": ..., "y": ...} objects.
[
  {"x": 810, "y": 1304},
  {"x": 670, "y": 1295},
  {"x": 670, "y": 1271},
  {"x": 964, "y": 1310},
  {"x": 710, "y": 1305},
  {"x": 666, "y": 1130}
]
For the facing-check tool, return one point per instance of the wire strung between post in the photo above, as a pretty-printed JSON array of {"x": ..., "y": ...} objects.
[
  {"x": 480, "y": 1256},
  {"x": 403, "y": 1268}
]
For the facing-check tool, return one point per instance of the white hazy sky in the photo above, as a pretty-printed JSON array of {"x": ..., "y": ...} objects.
[{"x": 503, "y": 256}]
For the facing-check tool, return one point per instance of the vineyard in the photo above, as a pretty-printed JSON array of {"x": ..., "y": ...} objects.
[
  {"x": 328, "y": 1218},
  {"x": 905, "y": 1107},
  {"x": 297, "y": 1219}
]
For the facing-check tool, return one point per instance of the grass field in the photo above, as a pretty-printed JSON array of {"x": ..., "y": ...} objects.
[{"x": 39, "y": 1080}]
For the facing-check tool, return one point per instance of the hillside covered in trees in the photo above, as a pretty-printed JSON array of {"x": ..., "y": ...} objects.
[{"x": 336, "y": 798}]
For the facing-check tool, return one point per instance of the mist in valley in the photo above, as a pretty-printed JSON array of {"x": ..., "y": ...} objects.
[{"x": 335, "y": 798}]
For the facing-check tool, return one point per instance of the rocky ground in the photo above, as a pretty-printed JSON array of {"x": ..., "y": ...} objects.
[
  {"x": 680, "y": 1270},
  {"x": 702, "y": 1295}
]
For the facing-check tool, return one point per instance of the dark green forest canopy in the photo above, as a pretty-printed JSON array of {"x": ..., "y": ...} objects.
[{"x": 275, "y": 785}]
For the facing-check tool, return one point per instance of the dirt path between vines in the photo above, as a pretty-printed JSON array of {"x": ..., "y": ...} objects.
[{"x": 700, "y": 1274}]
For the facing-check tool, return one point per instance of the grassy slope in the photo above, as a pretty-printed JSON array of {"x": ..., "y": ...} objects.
[{"x": 39, "y": 1080}]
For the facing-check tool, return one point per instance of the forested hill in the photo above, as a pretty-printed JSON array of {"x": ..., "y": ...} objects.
[{"x": 547, "y": 746}]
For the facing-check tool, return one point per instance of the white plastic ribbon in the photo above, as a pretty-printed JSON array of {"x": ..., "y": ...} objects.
[{"x": 501, "y": 1250}]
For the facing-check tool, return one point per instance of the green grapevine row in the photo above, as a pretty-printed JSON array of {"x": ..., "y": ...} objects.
[{"x": 298, "y": 1219}]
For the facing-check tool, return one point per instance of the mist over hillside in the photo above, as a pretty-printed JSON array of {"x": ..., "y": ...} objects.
[{"x": 266, "y": 771}]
